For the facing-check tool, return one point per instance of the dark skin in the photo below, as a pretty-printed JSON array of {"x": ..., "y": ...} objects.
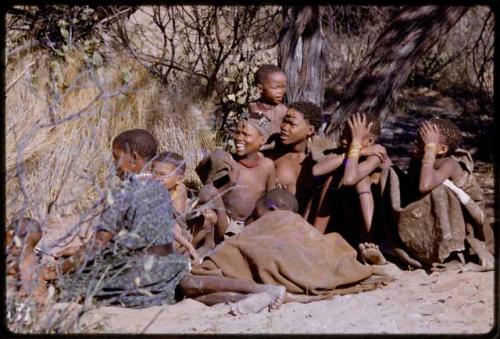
[
  {"x": 434, "y": 174},
  {"x": 355, "y": 172},
  {"x": 272, "y": 90},
  {"x": 293, "y": 169},
  {"x": 250, "y": 174},
  {"x": 126, "y": 163},
  {"x": 172, "y": 178}
]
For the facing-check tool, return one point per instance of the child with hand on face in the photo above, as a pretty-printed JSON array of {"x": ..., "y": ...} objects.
[
  {"x": 436, "y": 161},
  {"x": 170, "y": 168},
  {"x": 359, "y": 168}
]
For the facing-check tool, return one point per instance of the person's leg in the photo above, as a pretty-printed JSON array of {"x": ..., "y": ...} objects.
[
  {"x": 363, "y": 188},
  {"x": 257, "y": 296},
  {"x": 324, "y": 207}
]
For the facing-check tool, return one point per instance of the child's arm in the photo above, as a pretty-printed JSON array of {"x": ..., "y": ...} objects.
[
  {"x": 430, "y": 178},
  {"x": 210, "y": 193},
  {"x": 271, "y": 178},
  {"x": 181, "y": 199},
  {"x": 363, "y": 188},
  {"x": 328, "y": 164},
  {"x": 355, "y": 171},
  {"x": 184, "y": 242}
]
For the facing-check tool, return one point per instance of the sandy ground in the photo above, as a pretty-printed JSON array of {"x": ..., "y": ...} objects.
[{"x": 449, "y": 302}]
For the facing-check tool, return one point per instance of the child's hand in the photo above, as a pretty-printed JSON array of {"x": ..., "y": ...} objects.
[
  {"x": 195, "y": 257},
  {"x": 358, "y": 126},
  {"x": 234, "y": 169},
  {"x": 429, "y": 133},
  {"x": 377, "y": 150},
  {"x": 210, "y": 218}
]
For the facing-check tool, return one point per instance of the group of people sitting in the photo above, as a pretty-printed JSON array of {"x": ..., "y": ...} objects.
[{"x": 274, "y": 220}]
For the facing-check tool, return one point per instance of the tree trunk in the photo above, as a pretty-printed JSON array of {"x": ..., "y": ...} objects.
[
  {"x": 408, "y": 36},
  {"x": 301, "y": 53}
]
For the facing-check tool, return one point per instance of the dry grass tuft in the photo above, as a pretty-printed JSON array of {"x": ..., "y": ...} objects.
[{"x": 65, "y": 163}]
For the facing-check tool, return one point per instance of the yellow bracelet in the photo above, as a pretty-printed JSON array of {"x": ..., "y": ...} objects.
[
  {"x": 429, "y": 157},
  {"x": 354, "y": 150},
  {"x": 430, "y": 146}
]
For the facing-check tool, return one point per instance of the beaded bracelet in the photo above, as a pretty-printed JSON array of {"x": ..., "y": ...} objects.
[{"x": 354, "y": 150}]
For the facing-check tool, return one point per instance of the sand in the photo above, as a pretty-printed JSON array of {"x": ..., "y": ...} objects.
[{"x": 444, "y": 302}]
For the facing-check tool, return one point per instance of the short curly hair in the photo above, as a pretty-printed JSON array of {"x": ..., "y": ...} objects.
[
  {"x": 264, "y": 70},
  {"x": 450, "y": 133},
  {"x": 172, "y": 158},
  {"x": 137, "y": 140},
  {"x": 280, "y": 199},
  {"x": 311, "y": 112}
]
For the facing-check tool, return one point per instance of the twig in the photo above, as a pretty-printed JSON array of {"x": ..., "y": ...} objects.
[
  {"x": 19, "y": 77},
  {"x": 152, "y": 320}
]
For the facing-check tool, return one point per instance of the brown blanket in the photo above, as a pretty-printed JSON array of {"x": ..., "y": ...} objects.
[
  {"x": 282, "y": 248},
  {"x": 434, "y": 226}
]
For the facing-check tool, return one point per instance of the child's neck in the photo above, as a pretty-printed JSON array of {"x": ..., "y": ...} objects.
[
  {"x": 264, "y": 102},
  {"x": 250, "y": 160},
  {"x": 299, "y": 147}
]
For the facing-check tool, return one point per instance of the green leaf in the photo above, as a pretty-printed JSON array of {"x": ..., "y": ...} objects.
[
  {"x": 64, "y": 32},
  {"x": 241, "y": 100},
  {"x": 231, "y": 97}
]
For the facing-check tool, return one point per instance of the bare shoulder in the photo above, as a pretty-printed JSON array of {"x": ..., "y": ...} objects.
[
  {"x": 252, "y": 106},
  {"x": 282, "y": 108},
  {"x": 267, "y": 164},
  {"x": 451, "y": 165}
]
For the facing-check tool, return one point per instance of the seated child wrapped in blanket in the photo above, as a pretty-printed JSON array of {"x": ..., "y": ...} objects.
[{"x": 439, "y": 206}]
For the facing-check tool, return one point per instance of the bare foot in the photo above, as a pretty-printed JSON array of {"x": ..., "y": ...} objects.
[
  {"x": 278, "y": 294},
  {"x": 254, "y": 303},
  {"x": 371, "y": 254},
  {"x": 388, "y": 269},
  {"x": 485, "y": 258},
  {"x": 272, "y": 298}
]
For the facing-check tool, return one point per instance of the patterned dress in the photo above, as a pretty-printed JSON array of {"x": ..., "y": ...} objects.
[{"x": 139, "y": 215}]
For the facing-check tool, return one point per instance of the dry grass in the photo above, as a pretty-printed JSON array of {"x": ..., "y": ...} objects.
[{"x": 70, "y": 161}]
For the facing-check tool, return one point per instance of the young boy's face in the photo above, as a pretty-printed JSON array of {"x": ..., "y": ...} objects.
[
  {"x": 273, "y": 88},
  {"x": 124, "y": 163},
  {"x": 294, "y": 128},
  {"x": 247, "y": 139},
  {"x": 167, "y": 173}
]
